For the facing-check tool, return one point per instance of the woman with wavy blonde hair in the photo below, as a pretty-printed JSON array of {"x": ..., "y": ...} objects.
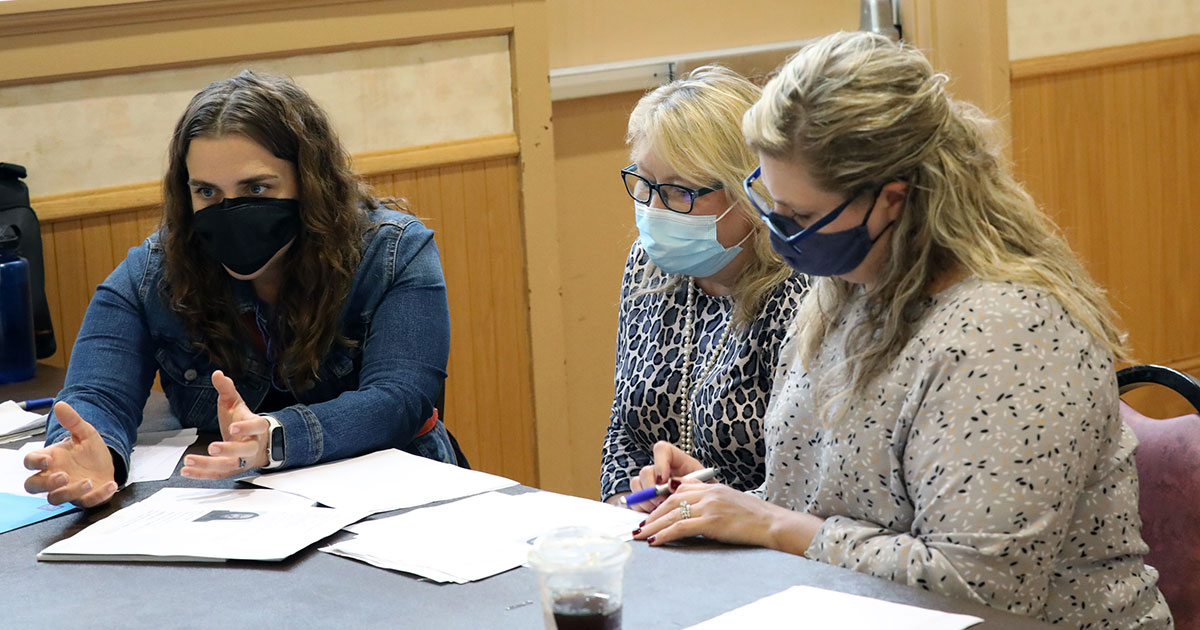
[
  {"x": 279, "y": 302},
  {"x": 705, "y": 300},
  {"x": 946, "y": 412}
]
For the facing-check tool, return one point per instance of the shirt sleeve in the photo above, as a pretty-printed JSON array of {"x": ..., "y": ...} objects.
[
  {"x": 622, "y": 458},
  {"x": 992, "y": 466},
  {"x": 112, "y": 363},
  {"x": 404, "y": 357}
]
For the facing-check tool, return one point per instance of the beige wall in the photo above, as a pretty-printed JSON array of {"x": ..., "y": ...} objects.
[
  {"x": 1038, "y": 28},
  {"x": 126, "y": 120}
]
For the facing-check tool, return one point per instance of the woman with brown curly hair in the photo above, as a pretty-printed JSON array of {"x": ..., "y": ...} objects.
[{"x": 280, "y": 303}]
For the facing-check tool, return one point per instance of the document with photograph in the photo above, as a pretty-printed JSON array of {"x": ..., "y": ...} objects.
[
  {"x": 204, "y": 525},
  {"x": 412, "y": 481}
]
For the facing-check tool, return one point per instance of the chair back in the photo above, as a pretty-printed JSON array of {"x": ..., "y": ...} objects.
[{"x": 1168, "y": 463}]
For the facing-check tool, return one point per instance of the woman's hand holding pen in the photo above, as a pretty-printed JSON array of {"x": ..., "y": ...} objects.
[
  {"x": 670, "y": 462},
  {"x": 719, "y": 512},
  {"x": 244, "y": 434}
]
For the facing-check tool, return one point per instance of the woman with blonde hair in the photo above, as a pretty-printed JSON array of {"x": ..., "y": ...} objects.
[
  {"x": 705, "y": 300},
  {"x": 946, "y": 413}
]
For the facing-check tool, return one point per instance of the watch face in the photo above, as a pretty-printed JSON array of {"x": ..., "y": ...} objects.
[{"x": 277, "y": 444}]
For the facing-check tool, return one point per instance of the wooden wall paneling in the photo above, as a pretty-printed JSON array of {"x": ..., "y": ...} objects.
[
  {"x": 1108, "y": 149},
  {"x": 447, "y": 184},
  {"x": 97, "y": 251},
  {"x": 509, "y": 293},
  {"x": 126, "y": 233},
  {"x": 467, "y": 186},
  {"x": 71, "y": 276}
]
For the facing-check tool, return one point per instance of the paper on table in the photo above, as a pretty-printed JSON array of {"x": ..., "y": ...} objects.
[
  {"x": 17, "y": 507},
  {"x": 831, "y": 609},
  {"x": 396, "y": 480},
  {"x": 476, "y": 537},
  {"x": 16, "y": 423},
  {"x": 156, "y": 454},
  {"x": 204, "y": 525}
]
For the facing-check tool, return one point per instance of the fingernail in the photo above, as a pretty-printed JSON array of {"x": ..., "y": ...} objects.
[
  {"x": 675, "y": 483},
  {"x": 658, "y": 478},
  {"x": 637, "y": 531},
  {"x": 190, "y": 462},
  {"x": 642, "y": 524},
  {"x": 650, "y": 540},
  {"x": 215, "y": 450},
  {"x": 234, "y": 431},
  {"x": 87, "y": 485}
]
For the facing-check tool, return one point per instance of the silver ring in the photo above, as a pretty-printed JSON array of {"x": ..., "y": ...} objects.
[
  {"x": 685, "y": 510},
  {"x": 241, "y": 462}
]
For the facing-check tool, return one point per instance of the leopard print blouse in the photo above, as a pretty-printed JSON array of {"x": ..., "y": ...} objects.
[
  {"x": 988, "y": 462},
  {"x": 652, "y": 347}
]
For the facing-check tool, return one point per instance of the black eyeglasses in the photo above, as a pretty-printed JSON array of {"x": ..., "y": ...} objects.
[
  {"x": 784, "y": 227},
  {"x": 681, "y": 199}
]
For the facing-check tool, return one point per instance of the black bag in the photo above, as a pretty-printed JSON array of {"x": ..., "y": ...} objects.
[{"x": 15, "y": 210}]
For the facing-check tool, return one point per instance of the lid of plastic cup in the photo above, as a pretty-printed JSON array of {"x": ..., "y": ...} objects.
[{"x": 578, "y": 548}]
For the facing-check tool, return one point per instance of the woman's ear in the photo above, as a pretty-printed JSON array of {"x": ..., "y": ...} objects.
[{"x": 892, "y": 196}]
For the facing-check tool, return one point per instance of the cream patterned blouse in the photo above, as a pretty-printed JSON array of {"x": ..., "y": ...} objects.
[{"x": 988, "y": 462}]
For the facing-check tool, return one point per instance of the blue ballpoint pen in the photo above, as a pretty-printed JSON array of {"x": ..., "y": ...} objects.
[
  {"x": 641, "y": 496},
  {"x": 35, "y": 403}
]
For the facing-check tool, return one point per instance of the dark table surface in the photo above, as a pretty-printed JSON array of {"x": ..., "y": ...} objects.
[{"x": 670, "y": 587}]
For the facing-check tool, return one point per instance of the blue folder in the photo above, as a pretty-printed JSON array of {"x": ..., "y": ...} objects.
[{"x": 21, "y": 510}]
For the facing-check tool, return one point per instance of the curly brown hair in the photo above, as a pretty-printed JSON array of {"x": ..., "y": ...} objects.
[{"x": 279, "y": 115}]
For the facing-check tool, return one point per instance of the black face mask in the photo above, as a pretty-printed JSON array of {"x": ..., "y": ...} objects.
[{"x": 245, "y": 232}]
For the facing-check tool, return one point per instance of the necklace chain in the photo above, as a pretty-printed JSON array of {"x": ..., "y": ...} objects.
[{"x": 686, "y": 432}]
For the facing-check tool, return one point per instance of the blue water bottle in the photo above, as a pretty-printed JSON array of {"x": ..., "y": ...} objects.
[{"x": 16, "y": 311}]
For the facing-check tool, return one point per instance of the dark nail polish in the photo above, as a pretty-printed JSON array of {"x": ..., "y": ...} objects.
[
  {"x": 658, "y": 478},
  {"x": 637, "y": 531},
  {"x": 650, "y": 540},
  {"x": 642, "y": 524},
  {"x": 675, "y": 483}
]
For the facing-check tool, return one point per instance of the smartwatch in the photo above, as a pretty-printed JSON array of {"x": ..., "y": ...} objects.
[{"x": 275, "y": 445}]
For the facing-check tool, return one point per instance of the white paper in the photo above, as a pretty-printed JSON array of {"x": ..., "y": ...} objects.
[
  {"x": 12, "y": 469},
  {"x": 156, "y": 454},
  {"x": 205, "y": 524},
  {"x": 17, "y": 423},
  {"x": 822, "y": 608},
  {"x": 476, "y": 537},
  {"x": 382, "y": 481}
]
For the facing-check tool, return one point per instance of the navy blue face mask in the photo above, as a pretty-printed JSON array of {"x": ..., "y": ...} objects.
[{"x": 812, "y": 252}]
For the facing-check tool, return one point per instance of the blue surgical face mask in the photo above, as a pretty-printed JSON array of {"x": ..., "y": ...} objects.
[
  {"x": 824, "y": 253},
  {"x": 683, "y": 243}
]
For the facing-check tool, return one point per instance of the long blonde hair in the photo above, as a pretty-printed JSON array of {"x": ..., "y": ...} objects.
[
  {"x": 856, "y": 111},
  {"x": 694, "y": 125}
]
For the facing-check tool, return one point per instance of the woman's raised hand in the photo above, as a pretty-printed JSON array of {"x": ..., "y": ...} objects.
[
  {"x": 243, "y": 432},
  {"x": 78, "y": 469}
]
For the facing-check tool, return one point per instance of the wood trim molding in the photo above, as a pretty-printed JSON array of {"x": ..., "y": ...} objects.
[
  {"x": 100, "y": 44},
  {"x": 21, "y": 18},
  {"x": 1101, "y": 57},
  {"x": 101, "y": 201}
]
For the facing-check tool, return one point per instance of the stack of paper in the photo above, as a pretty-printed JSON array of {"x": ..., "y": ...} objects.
[
  {"x": 398, "y": 480},
  {"x": 831, "y": 609},
  {"x": 188, "y": 524},
  {"x": 477, "y": 537},
  {"x": 157, "y": 454},
  {"x": 18, "y": 424}
]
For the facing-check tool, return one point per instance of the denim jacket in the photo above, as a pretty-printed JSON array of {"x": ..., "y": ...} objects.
[{"x": 373, "y": 395}]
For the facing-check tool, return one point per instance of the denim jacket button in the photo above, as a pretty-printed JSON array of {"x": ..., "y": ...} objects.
[{"x": 189, "y": 375}]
